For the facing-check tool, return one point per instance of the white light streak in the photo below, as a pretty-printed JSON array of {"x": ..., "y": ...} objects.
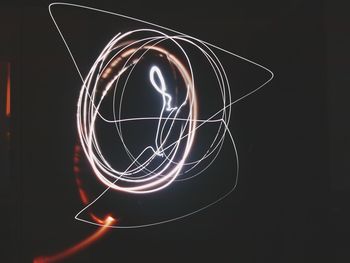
[{"x": 121, "y": 55}]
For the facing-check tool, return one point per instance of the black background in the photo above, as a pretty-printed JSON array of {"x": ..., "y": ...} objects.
[{"x": 291, "y": 204}]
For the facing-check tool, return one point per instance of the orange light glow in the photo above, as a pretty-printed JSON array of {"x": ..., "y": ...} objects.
[
  {"x": 106, "y": 223},
  {"x": 79, "y": 246},
  {"x": 8, "y": 91},
  {"x": 96, "y": 219},
  {"x": 83, "y": 196}
]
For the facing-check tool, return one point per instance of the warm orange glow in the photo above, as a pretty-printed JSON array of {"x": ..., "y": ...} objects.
[
  {"x": 8, "y": 91},
  {"x": 96, "y": 219},
  {"x": 79, "y": 246},
  {"x": 107, "y": 222},
  {"x": 83, "y": 197}
]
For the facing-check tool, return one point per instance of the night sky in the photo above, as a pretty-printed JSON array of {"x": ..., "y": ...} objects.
[{"x": 291, "y": 202}]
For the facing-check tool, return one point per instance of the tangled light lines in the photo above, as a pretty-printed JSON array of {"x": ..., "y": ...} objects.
[
  {"x": 165, "y": 160},
  {"x": 141, "y": 113},
  {"x": 153, "y": 110}
]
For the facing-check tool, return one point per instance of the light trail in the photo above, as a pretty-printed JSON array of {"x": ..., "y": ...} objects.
[
  {"x": 158, "y": 165},
  {"x": 111, "y": 72},
  {"x": 162, "y": 89},
  {"x": 69, "y": 252},
  {"x": 8, "y": 91},
  {"x": 105, "y": 224},
  {"x": 89, "y": 104}
]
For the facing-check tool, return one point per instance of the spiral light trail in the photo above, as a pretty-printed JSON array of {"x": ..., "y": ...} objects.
[
  {"x": 167, "y": 157},
  {"x": 122, "y": 56}
]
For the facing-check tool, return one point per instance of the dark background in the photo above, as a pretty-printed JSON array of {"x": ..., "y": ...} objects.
[{"x": 291, "y": 204}]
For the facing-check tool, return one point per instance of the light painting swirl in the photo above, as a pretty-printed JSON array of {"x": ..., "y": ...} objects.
[
  {"x": 120, "y": 57},
  {"x": 162, "y": 65}
]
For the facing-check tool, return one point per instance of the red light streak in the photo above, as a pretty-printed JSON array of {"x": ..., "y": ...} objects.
[
  {"x": 106, "y": 223},
  {"x": 83, "y": 197},
  {"x": 79, "y": 246},
  {"x": 8, "y": 91}
]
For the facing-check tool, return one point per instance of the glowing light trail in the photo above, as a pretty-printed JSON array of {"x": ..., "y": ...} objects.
[
  {"x": 111, "y": 72},
  {"x": 8, "y": 91},
  {"x": 115, "y": 64},
  {"x": 88, "y": 111},
  {"x": 104, "y": 223},
  {"x": 162, "y": 89},
  {"x": 59, "y": 257}
]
